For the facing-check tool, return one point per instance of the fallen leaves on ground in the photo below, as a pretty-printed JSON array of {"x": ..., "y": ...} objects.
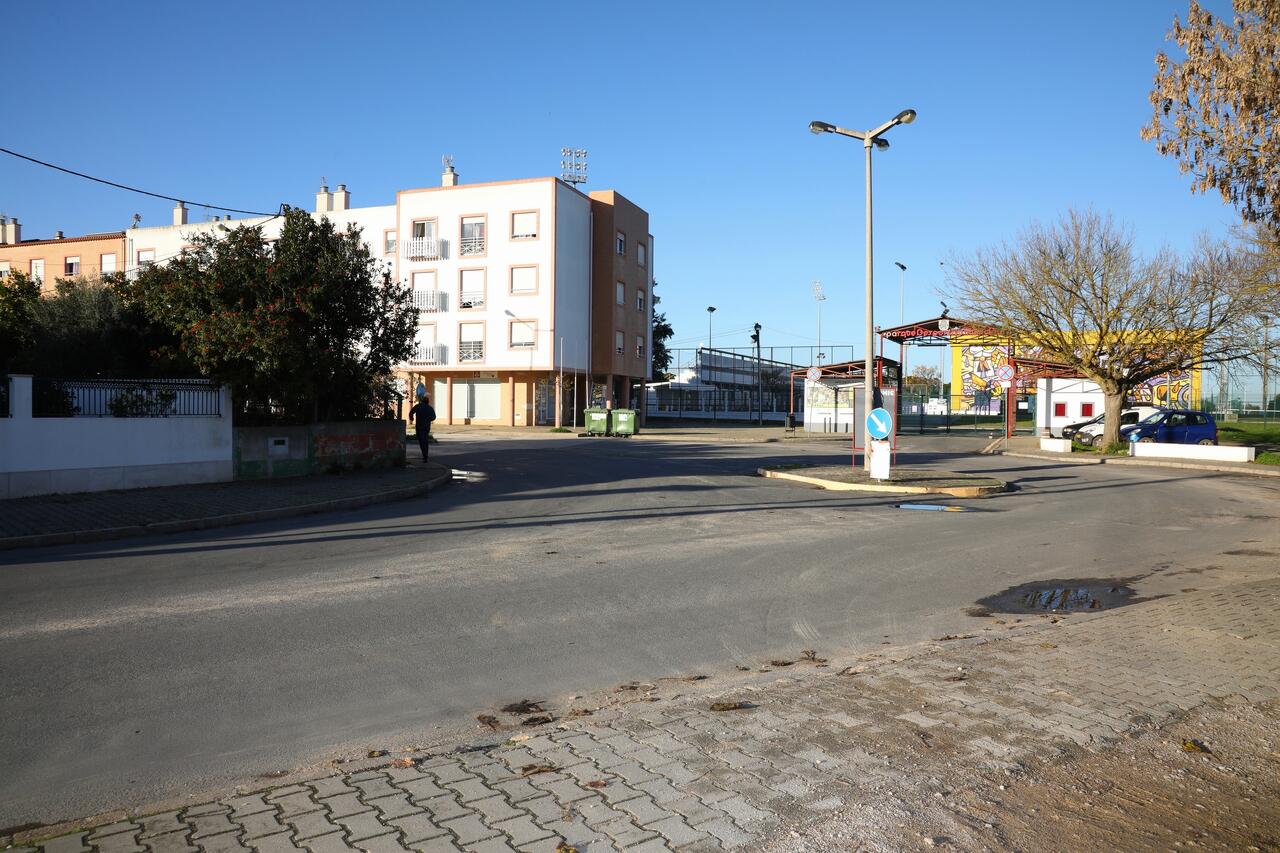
[
  {"x": 566, "y": 848},
  {"x": 1194, "y": 745},
  {"x": 811, "y": 655},
  {"x": 781, "y": 662},
  {"x": 524, "y": 706},
  {"x": 581, "y": 712},
  {"x": 402, "y": 762},
  {"x": 539, "y": 720},
  {"x": 534, "y": 769},
  {"x": 1048, "y": 645},
  {"x": 731, "y": 706},
  {"x": 945, "y": 637},
  {"x": 598, "y": 783},
  {"x": 377, "y": 753},
  {"x": 488, "y": 720}
]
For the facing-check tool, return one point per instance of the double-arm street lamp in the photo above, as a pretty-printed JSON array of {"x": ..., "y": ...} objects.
[{"x": 870, "y": 139}]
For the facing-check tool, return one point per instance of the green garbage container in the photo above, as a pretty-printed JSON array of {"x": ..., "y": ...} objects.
[
  {"x": 597, "y": 421},
  {"x": 624, "y": 422}
]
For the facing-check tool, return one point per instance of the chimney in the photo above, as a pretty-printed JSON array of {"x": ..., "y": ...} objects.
[
  {"x": 4, "y": 230},
  {"x": 324, "y": 200},
  {"x": 15, "y": 231},
  {"x": 180, "y": 214},
  {"x": 450, "y": 177},
  {"x": 341, "y": 199},
  {"x": 57, "y": 235}
]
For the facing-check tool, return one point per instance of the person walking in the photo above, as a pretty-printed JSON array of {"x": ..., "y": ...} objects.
[{"x": 425, "y": 415}]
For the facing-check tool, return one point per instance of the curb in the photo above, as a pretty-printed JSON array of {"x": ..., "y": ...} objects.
[
  {"x": 76, "y": 537},
  {"x": 1153, "y": 463},
  {"x": 831, "y": 485}
]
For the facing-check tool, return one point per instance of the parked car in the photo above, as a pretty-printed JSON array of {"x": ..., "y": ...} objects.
[
  {"x": 1070, "y": 430},
  {"x": 1092, "y": 433},
  {"x": 1174, "y": 426}
]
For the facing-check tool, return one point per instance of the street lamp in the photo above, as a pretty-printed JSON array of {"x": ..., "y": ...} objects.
[
  {"x": 902, "y": 286},
  {"x": 711, "y": 309},
  {"x": 870, "y": 139},
  {"x": 819, "y": 297}
]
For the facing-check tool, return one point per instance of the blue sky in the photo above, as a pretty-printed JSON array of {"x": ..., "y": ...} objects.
[{"x": 696, "y": 111}]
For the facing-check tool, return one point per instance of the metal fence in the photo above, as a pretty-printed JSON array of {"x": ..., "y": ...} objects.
[
  {"x": 715, "y": 405},
  {"x": 124, "y": 398}
]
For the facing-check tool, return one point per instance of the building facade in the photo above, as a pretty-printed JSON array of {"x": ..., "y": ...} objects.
[{"x": 61, "y": 257}]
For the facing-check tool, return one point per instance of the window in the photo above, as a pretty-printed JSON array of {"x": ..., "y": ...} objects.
[
  {"x": 4, "y": 269},
  {"x": 524, "y": 279},
  {"x": 522, "y": 333},
  {"x": 1127, "y": 418},
  {"x": 619, "y": 343},
  {"x": 1197, "y": 420},
  {"x": 640, "y": 301},
  {"x": 37, "y": 269},
  {"x": 425, "y": 350},
  {"x": 524, "y": 225},
  {"x": 471, "y": 287},
  {"x": 71, "y": 265},
  {"x": 471, "y": 342},
  {"x": 107, "y": 263},
  {"x": 620, "y": 244},
  {"x": 146, "y": 257},
  {"x": 426, "y": 296},
  {"x": 639, "y": 347},
  {"x": 1177, "y": 419},
  {"x": 1086, "y": 410},
  {"x": 1059, "y": 410},
  {"x": 642, "y": 255},
  {"x": 473, "y": 237},
  {"x": 424, "y": 229},
  {"x": 621, "y": 293},
  {"x": 388, "y": 242}
]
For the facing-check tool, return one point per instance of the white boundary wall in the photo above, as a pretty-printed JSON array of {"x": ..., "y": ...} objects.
[
  {"x": 1212, "y": 452},
  {"x": 50, "y": 455}
]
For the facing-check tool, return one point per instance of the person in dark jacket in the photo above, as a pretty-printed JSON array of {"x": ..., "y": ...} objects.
[{"x": 425, "y": 415}]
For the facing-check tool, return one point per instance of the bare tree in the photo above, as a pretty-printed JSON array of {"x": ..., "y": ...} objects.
[
  {"x": 1217, "y": 112},
  {"x": 1080, "y": 291}
]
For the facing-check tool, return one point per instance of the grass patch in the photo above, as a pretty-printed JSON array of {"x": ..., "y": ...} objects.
[
  {"x": 559, "y": 429},
  {"x": 1248, "y": 433},
  {"x": 1270, "y": 458}
]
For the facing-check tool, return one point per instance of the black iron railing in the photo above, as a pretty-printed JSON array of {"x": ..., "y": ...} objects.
[{"x": 125, "y": 398}]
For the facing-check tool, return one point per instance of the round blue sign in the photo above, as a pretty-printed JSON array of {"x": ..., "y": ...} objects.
[{"x": 879, "y": 423}]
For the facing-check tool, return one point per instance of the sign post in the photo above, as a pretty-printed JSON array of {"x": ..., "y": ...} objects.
[{"x": 879, "y": 427}]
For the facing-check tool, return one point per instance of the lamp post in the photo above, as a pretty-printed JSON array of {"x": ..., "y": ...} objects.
[
  {"x": 870, "y": 139},
  {"x": 711, "y": 309},
  {"x": 819, "y": 297},
  {"x": 902, "y": 288},
  {"x": 755, "y": 339}
]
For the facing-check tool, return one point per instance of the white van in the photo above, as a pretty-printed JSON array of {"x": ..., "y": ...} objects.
[{"x": 1092, "y": 434}]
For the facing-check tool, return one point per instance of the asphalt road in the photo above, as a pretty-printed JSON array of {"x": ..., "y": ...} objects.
[{"x": 138, "y": 671}]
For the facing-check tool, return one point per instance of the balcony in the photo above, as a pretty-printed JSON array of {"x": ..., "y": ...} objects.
[
  {"x": 430, "y": 301},
  {"x": 428, "y": 354},
  {"x": 471, "y": 351},
  {"x": 472, "y": 246},
  {"x": 423, "y": 249},
  {"x": 471, "y": 300}
]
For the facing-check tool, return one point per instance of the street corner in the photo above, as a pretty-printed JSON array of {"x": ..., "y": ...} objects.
[{"x": 901, "y": 480}]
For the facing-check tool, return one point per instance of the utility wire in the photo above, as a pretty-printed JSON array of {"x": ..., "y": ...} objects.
[{"x": 136, "y": 190}]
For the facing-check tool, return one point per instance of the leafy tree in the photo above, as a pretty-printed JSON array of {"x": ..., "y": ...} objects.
[
  {"x": 924, "y": 375},
  {"x": 1080, "y": 291},
  {"x": 1217, "y": 112},
  {"x": 304, "y": 328},
  {"x": 19, "y": 297},
  {"x": 662, "y": 333}
]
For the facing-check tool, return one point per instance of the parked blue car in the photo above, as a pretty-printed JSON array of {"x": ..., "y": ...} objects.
[{"x": 1174, "y": 426}]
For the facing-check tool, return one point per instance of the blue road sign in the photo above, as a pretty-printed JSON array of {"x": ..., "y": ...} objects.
[{"x": 879, "y": 423}]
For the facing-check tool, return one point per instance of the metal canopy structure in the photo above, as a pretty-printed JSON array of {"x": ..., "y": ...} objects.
[
  {"x": 944, "y": 330},
  {"x": 885, "y": 368}
]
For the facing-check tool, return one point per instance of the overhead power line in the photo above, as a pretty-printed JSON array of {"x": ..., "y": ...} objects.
[{"x": 136, "y": 190}]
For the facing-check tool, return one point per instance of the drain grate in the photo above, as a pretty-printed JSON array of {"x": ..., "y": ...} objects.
[{"x": 1065, "y": 598}]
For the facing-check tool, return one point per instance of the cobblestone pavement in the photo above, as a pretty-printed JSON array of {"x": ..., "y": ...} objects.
[
  {"x": 861, "y": 742},
  {"x": 167, "y": 507}
]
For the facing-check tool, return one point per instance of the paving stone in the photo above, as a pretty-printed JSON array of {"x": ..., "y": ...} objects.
[
  {"x": 521, "y": 830},
  {"x": 210, "y": 824},
  {"x": 494, "y": 808},
  {"x": 170, "y": 842},
  {"x": 422, "y": 789},
  {"x": 259, "y": 824},
  {"x": 417, "y": 827},
  {"x": 120, "y": 842},
  {"x": 676, "y": 831},
  {"x": 299, "y": 802},
  {"x": 395, "y": 805},
  {"x": 341, "y": 805},
  {"x": 653, "y": 845},
  {"x": 491, "y": 845},
  {"x": 439, "y": 844},
  {"x": 445, "y": 808},
  {"x": 312, "y": 825},
  {"x": 334, "y": 842},
  {"x": 330, "y": 786},
  {"x": 281, "y": 842},
  {"x": 469, "y": 829},
  {"x": 644, "y": 811},
  {"x": 471, "y": 788},
  {"x": 247, "y": 805},
  {"x": 73, "y": 843},
  {"x": 389, "y": 843},
  {"x": 729, "y": 834},
  {"x": 113, "y": 829},
  {"x": 449, "y": 772},
  {"x": 363, "y": 825},
  {"x": 161, "y": 824},
  {"x": 376, "y": 788},
  {"x": 228, "y": 842},
  {"x": 624, "y": 833}
]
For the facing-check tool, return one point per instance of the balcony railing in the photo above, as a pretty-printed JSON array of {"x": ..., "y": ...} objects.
[
  {"x": 471, "y": 351},
  {"x": 431, "y": 301},
  {"x": 428, "y": 354},
  {"x": 471, "y": 300},
  {"x": 472, "y": 246},
  {"x": 423, "y": 249}
]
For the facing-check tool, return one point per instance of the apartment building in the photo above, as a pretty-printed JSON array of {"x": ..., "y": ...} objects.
[
  {"x": 517, "y": 323},
  {"x": 46, "y": 261}
]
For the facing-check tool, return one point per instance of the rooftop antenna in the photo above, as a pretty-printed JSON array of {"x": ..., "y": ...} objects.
[
  {"x": 137, "y": 219},
  {"x": 573, "y": 165},
  {"x": 447, "y": 161}
]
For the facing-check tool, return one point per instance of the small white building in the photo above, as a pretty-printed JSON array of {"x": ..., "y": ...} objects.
[{"x": 1062, "y": 402}]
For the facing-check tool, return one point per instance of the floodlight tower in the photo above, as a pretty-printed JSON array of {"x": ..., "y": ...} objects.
[
  {"x": 573, "y": 166},
  {"x": 819, "y": 297}
]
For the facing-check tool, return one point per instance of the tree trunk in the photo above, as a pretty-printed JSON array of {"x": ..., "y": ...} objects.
[{"x": 1111, "y": 415}]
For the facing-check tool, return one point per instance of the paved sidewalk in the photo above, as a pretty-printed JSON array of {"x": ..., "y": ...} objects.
[
  {"x": 95, "y": 516},
  {"x": 868, "y": 753},
  {"x": 1028, "y": 447}
]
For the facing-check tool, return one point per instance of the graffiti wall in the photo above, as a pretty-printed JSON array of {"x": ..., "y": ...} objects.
[{"x": 975, "y": 387}]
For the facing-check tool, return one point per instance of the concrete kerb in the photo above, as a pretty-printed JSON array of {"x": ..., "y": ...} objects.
[
  {"x": 1248, "y": 470},
  {"x": 76, "y": 537},
  {"x": 836, "y": 486}
]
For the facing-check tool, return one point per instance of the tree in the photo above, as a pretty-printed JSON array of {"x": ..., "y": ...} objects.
[
  {"x": 924, "y": 375},
  {"x": 19, "y": 297},
  {"x": 662, "y": 333},
  {"x": 1080, "y": 292},
  {"x": 1217, "y": 112},
  {"x": 306, "y": 325}
]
